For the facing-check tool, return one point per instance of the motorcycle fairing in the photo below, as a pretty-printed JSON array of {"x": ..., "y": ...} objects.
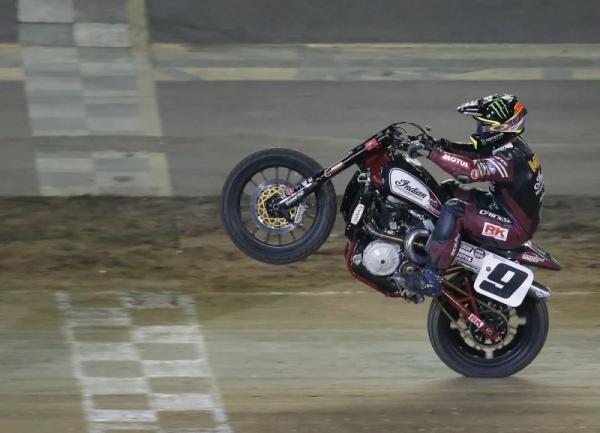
[
  {"x": 474, "y": 257},
  {"x": 349, "y": 198},
  {"x": 530, "y": 254}
]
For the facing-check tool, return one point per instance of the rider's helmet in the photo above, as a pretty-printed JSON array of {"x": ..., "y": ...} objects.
[{"x": 499, "y": 119}]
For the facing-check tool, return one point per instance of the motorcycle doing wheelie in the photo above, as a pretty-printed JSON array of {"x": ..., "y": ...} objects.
[{"x": 279, "y": 206}]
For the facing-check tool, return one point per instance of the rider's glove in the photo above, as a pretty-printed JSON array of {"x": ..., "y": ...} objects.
[
  {"x": 419, "y": 148},
  {"x": 442, "y": 144}
]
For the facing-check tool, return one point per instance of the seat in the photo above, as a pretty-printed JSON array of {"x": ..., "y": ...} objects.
[{"x": 528, "y": 253}]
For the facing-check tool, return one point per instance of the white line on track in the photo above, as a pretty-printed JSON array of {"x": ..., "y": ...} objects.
[
  {"x": 176, "y": 402},
  {"x": 186, "y": 368},
  {"x": 165, "y": 334},
  {"x": 105, "y": 352},
  {"x": 98, "y": 366},
  {"x": 119, "y": 322},
  {"x": 110, "y": 386},
  {"x": 290, "y": 293}
]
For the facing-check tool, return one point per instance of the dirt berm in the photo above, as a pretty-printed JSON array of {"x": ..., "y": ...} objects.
[{"x": 167, "y": 243}]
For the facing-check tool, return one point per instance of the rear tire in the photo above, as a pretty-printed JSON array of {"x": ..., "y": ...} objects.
[
  {"x": 452, "y": 349},
  {"x": 231, "y": 196}
]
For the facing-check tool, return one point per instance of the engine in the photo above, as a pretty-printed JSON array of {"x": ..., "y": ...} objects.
[
  {"x": 382, "y": 258},
  {"x": 393, "y": 246}
]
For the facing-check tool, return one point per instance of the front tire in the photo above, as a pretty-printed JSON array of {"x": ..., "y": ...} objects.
[
  {"x": 453, "y": 344},
  {"x": 261, "y": 236}
]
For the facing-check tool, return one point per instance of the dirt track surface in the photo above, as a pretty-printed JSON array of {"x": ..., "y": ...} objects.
[
  {"x": 179, "y": 242},
  {"x": 301, "y": 348}
]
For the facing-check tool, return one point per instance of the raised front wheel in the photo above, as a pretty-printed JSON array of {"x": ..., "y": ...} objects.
[{"x": 248, "y": 215}]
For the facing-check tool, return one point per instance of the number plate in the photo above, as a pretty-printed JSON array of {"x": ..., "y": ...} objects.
[{"x": 503, "y": 280}]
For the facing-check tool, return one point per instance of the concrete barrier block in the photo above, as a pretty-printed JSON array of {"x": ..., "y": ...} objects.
[
  {"x": 100, "y": 11},
  {"x": 101, "y": 35},
  {"x": 45, "y": 11},
  {"x": 46, "y": 34}
]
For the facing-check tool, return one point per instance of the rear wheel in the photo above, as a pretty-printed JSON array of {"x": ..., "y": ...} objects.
[
  {"x": 248, "y": 217},
  {"x": 461, "y": 346}
]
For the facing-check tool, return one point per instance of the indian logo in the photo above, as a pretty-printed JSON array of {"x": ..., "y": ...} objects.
[{"x": 405, "y": 185}]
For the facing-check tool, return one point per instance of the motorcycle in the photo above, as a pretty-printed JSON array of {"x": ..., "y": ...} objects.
[{"x": 279, "y": 206}]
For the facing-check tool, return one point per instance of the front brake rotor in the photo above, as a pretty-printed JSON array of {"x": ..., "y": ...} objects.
[{"x": 261, "y": 207}]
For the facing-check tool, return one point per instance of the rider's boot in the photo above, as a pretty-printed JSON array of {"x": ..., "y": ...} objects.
[{"x": 428, "y": 282}]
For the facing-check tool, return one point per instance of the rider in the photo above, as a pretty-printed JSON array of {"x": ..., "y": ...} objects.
[{"x": 505, "y": 217}]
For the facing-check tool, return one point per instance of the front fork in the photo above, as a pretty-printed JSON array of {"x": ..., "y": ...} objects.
[{"x": 308, "y": 185}]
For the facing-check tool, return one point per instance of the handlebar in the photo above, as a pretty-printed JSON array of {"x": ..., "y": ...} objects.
[
  {"x": 394, "y": 137},
  {"x": 401, "y": 139}
]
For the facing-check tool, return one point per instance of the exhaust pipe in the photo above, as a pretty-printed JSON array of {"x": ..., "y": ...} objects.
[
  {"x": 410, "y": 244},
  {"x": 413, "y": 240},
  {"x": 384, "y": 236},
  {"x": 538, "y": 291}
]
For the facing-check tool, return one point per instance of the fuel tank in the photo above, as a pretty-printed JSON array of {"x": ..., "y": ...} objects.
[{"x": 412, "y": 183}]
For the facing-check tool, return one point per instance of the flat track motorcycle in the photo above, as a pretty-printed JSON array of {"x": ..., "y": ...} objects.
[{"x": 279, "y": 206}]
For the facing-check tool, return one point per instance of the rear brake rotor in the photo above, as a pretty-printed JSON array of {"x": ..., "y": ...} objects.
[{"x": 506, "y": 323}]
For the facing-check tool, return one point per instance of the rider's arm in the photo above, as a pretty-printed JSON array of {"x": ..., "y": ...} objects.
[
  {"x": 492, "y": 169},
  {"x": 464, "y": 149}
]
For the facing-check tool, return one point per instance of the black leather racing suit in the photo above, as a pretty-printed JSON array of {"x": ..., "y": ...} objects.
[{"x": 506, "y": 217}]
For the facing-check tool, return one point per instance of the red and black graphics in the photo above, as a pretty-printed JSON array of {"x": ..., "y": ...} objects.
[
  {"x": 522, "y": 198},
  {"x": 515, "y": 173},
  {"x": 491, "y": 169},
  {"x": 375, "y": 161},
  {"x": 480, "y": 220},
  {"x": 533, "y": 255}
]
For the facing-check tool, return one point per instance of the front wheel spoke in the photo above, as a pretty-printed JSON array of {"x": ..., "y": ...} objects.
[
  {"x": 262, "y": 173},
  {"x": 268, "y": 237},
  {"x": 293, "y": 235},
  {"x": 279, "y": 239}
]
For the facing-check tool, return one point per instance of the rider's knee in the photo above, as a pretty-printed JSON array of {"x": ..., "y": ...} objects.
[
  {"x": 455, "y": 206},
  {"x": 446, "y": 225}
]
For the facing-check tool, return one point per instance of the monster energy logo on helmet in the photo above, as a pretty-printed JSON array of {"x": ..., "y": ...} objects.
[{"x": 500, "y": 108}]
